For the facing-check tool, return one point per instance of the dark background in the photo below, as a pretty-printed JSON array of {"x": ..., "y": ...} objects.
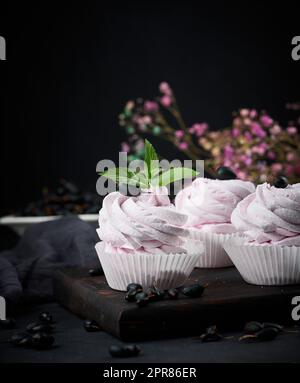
[{"x": 72, "y": 66}]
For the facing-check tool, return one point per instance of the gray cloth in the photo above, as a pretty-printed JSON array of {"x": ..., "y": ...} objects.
[{"x": 26, "y": 271}]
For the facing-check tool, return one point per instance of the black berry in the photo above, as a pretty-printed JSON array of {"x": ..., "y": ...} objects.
[
  {"x": 35, "y": 327},
  {"x": 134, "y": 286},
  {"x": 252, "y": 327},
  {"x": 142, "y": 299},
  {"x": 96, "y": 272},
  {"x": 281, "y": 182},
  {"x": 91, "y": 326},
  {"x": 124, "y": 351},
  {"x": 193, "y": 291},
  {"x": 45, "y": 317},
  {"x": 173, "y": 293},
  {"x": 224, "y": 173}
]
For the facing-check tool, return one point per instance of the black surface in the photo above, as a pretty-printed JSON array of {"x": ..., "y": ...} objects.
[
  {"x": 70, "y": 70},
  {"x": 75, "y": 345}
]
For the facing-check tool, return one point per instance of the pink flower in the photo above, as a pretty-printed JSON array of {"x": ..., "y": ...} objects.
[
  {"x": 260, "y": 149},
  {"x": 276, "y": 168},
  {"x": 248, "y": 136},
  {"x": 147, "y": 120},
  {"x": 257, "y": 130},
  {"x": 276, "y": 129},
  {"x": 165, "y": 88},
  {"x": 289, "y": 170},
  {"x": 253, "y": 113},
  {"x": 183, "y": 146},
  {"x": 237, "y": 122},
  {"x": 266, "y": 120},
  {"x": 292, "y": 130},
  {"x": 179, "y": 133},
  {"x": 198, "y": 129},
  {"x": 166, "y": 101},
  {"x": 125, "y": 147},
  {"x": 241, "y": 175},
  {"x": 271, "y": 155},
  {"x": 244, "y": 112},
  {"x": 228, "y": 152},
  {"x": 247, "y": 160},
  {"x": 227, "y": 163},
  {"x": 290, "y": 156},
  {"x": 142, "y": 121},
  {"x": 150, "y": 106},
  {"x": 130, "y": 105},
  {"x": 235, "y": 132},
  {"x": 297, "y": 169}
]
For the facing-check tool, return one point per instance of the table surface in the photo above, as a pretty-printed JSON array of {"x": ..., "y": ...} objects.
[{"x": 74, "y": 345}]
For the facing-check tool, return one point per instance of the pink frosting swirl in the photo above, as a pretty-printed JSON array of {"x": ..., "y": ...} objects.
[
  {"x": 270, "y": 215},
  {"x": 209, "y": 203},
  {"x": 147, "y": 223}
]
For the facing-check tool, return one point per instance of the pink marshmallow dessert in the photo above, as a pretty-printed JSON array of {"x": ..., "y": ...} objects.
[
  {"x": 208, "y": 204},
  {"x": 270, "y": 219},
  {"x": 142, "y": 241}
]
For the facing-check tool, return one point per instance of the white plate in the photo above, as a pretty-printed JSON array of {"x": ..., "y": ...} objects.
[{"x": 20, "y": 224}]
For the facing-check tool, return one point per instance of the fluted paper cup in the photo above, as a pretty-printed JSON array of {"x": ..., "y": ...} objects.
[
  {"x": 214, "y": 254},
  {"x": 165, "y": 270},
  {"x": 269, "y": 265}
]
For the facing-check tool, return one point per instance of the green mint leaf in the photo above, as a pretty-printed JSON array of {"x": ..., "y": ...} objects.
[
  {"x": 124, "y": 176},
  {"x": 151, "y": 159},
  {"x": 172, "y": 175}
]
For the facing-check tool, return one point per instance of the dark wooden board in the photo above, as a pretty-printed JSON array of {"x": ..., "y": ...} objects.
[{"x": 228, "y": 301}]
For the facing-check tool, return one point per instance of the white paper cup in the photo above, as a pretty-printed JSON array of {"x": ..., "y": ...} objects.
[
  {"x": 165, "y": 270},
  {"x": 214, "y": 254},
  {"x": 270, "y": 265}
]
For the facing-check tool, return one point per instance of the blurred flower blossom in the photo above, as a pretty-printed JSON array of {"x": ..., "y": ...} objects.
[
  {"x": 183, "y": 146},
  {"x": 179, "y": 133},
  {"x": 271, "y": 155},
  {"x": 166, "y": 101},
  {"x": 290, "y": 156},
  {"x": 266, "y": 120},
  {"x": 235, "y": 132},
  {"x": 151, "y": 106},
  {"x": 257, "y": 130},
  {"x": 198, "y": 129},
  {"x": 277, "y": 167},
  {"x": 276, "y": 129},
  {"x": 129, "y": 105},
  {"x": 165, "y": 88},
  {"x": 244, "y": 112},
  {"x": 228, "y": 152},
  {"x": 125, "y": 147},
  {"x": 292, "y": 130},
  {"x": 255, "y": 147}
]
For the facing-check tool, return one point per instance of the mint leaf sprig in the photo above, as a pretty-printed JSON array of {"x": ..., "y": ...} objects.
[{"x": 151, "y": 175}]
